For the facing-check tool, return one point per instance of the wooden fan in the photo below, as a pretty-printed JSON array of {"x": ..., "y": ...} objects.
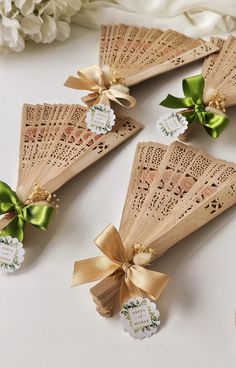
[
  {"x": 172, "y": 192},
  {"x": 56, "y": 145},
  {"x": 218, "y": 90},
  {"x": 138, "y": 53},
  {"x": 219, "y": 71}
]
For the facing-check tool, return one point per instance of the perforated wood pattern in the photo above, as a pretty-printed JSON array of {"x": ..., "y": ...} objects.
[
  {"x": 183, "y": 180},
  {"x": 219, "y": 71},
  {"x": 139, "y": 53},
  {"x": 56, "y": 145}
]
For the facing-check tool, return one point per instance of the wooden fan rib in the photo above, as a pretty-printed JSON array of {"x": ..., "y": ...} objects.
[
  {"x": 159, "y": 47},
  {"x": 27, "y": 122},
  {"x": 102, "y": 44},
  {"x": 141, "y": 194},
  {"x": 148, "y": 165},
  {"x": 57, "y": 128},
  {"x": 125, "y": 49},
  {"x": 221, "y": 60},
  {"x": 218, "y": 174},
  {"x": 220, "y": 201},
  {"x": 209, "y": 62},
  {"x": 207, "y": 184},
  {"x": 187, "y": 57},
  {"x": 125, "y": 128},
  {"x": 140, "y": 48},
  {"x": 154, "y": 211}
]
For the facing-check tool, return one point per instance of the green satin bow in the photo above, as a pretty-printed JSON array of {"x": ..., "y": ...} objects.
[
  {"x": 193, "y": 88},
  {"x": 38, "y": 215}
]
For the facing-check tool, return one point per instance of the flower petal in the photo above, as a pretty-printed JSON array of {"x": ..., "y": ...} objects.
[
  {"x": 31, "y": 24},
  {"x": 63, "y": 30},
  {"x": 48, "y": 29}
]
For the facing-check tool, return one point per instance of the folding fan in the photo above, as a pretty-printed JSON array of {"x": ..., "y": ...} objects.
[
  {"x": 219, "y": 71},
  {"x": 209, "y": 94},
  {"x": 139, "y": 53},
  {"x": 55, "y": 146},
  {"x": 172, "y": 192},
  {"x": 127, "y": 56}
]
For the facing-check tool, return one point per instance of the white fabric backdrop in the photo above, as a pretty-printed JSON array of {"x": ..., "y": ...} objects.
[{"x": 193, "y": 17}]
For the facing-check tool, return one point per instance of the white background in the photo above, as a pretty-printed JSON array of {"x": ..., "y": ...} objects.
[{"x": 43, "y": 322}]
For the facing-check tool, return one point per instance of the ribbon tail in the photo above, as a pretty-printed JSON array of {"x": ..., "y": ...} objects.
[
  {"x": 177, "y": 102},
  {"x": 215, "y": 124},
  {"x": 116, "y": 96},
  {"x": 38, "y": 215},
  {"x": 91, "y": 99},
  {"x": 92, "y": 269},
  {"x": 81, "y": 84},
  {"x": 150, "y": 282},
  {"x": 5, "y": 221},
  {"x": 94, "y": 98},
  {"x": 128, "y": 290},
  {"x": 190, "y": 115},
  {"x": 15, "y": 229}
]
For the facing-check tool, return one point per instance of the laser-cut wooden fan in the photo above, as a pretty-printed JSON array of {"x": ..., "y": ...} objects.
[
  {"x": 55, "y": 146},
  {"x": 219, "y": 89},
  {"x": 172, "y": 192},
  {"x": 139, "y": 53},
  {"x": 219, "y": 71}
]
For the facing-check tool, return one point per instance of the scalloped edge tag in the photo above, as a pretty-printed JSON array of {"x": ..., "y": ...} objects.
[
  {"x": 140, "y": 317},
  {"x": 172, "y": 125},
  {"x": 100, "y": 119},
  {"x": 11, "y": 254}
]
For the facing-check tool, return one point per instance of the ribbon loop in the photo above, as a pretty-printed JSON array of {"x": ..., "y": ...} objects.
[
  {"x": 105, "y": 85},
  {"x": 136, "y": 279},
  {"x": 193, "y": 88},
  {"x": 38, "y": 215}
]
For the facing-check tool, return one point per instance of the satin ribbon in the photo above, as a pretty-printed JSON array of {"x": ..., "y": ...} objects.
[
  {"x": 136, "y": 279},
  {"x": 38, "y": 215},
  {"x": 193, "y": 87},
  {"x": 104, "y": 84}
]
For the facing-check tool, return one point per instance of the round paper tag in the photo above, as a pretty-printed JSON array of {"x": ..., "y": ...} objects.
[
  {"x": 172, "y": 125},
  {"x": 140, "y": 317},
  {"x": 100, "y": 119},
  {"x": 11, "y": 254}
]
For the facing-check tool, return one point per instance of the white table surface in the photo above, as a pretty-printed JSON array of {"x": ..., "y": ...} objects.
[{"x": 43, "y": 322}]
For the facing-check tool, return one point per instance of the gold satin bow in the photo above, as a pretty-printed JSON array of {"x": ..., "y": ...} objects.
[
  {"x": 105, "y": 85},
  {"x": 136, "y": 279}
]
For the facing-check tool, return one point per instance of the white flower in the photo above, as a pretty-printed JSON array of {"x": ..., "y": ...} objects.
[
  {"x": 38, "y": 20},
  {"x": 6, "y": 5},
  {"x": 31, "y": 24},
  {"x": 10, "y": 38},
  {"x": 63, "y": 30},
  {"x": 26, "y": 7},
  {"x": 48, "y": 29}
]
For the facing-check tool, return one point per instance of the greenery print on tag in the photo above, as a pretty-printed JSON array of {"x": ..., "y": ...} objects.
[
  {"x": 11, "y": 254},
  {"x": 172, "y": 125},
  {"x": 140, "y": 317},
  {"x": 100, "y": 119}
]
